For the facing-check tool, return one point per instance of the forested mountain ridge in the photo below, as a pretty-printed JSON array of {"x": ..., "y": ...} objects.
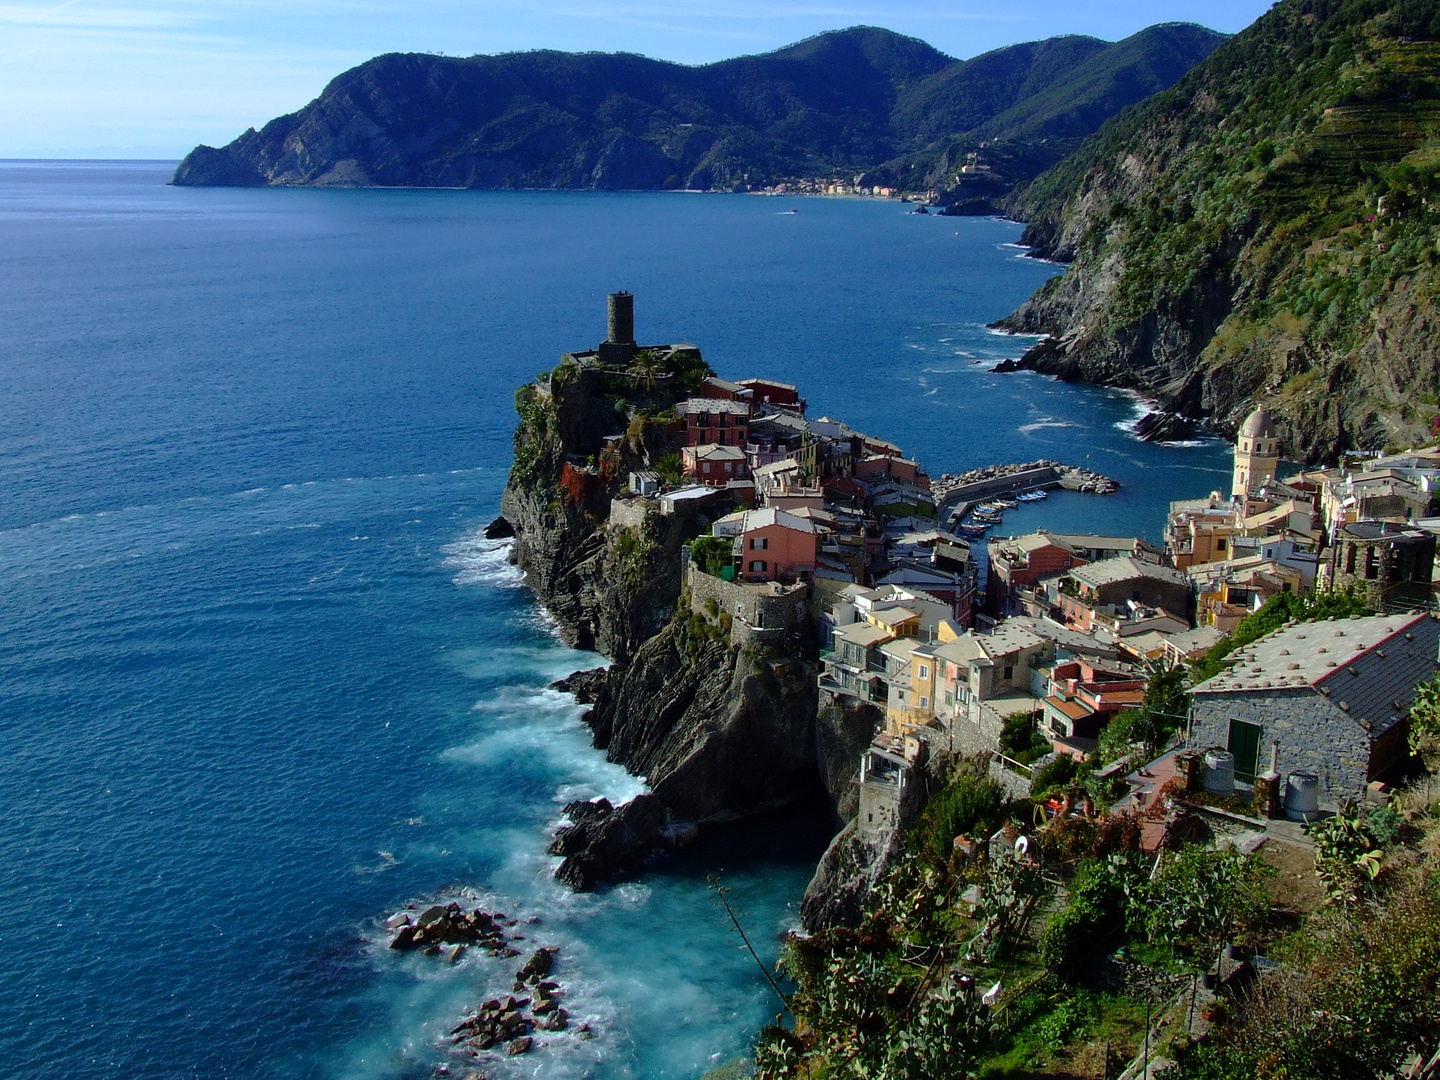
[
  {"x": 842, "y": 103},
  {"x": 1263, "y": 231}
]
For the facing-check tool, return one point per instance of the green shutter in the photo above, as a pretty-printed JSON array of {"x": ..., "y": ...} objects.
[{"x": 1245, "y": 745}]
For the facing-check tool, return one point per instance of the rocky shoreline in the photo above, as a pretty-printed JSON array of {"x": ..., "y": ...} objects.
[{"x": 449, "y": 931}]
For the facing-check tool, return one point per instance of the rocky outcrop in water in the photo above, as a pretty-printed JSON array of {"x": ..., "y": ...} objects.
[{"x": 440, "y": 926}]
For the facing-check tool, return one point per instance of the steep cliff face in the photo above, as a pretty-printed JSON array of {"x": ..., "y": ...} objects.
[
  {"x": 1262, "y": 232},
  {"x": 714, "y": 729},
  {"x": 844, "y": 728},
  {"x": 718, "y": 731},
  {"x": 608, "y": 589},
  {"x": 851, "y": 867}
]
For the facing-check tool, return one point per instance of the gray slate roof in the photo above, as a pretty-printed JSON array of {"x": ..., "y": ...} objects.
[{"x": 1126, "y": 568}]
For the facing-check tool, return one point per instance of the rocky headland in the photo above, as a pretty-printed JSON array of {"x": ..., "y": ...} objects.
[
  {"x": 862, "y": 102},
  {"x": 721, "y": 731}
]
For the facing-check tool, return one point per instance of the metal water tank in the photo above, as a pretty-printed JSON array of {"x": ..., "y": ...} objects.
[
  {"x": 1302, "y": 796},
  {"x": 1219, "y": 771}
]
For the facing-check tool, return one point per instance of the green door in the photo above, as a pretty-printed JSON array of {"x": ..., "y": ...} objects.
[{"x": 1245, "y": 745}]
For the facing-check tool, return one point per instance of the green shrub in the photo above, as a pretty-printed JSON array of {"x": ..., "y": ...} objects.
[
  {"x": 1021, "y": 740},
  {"x": 971, "y": 799},
  {"x": 711, "y": 554},
  {"x": 1055, "y": 774},
  {"x": 1096, "y": 909}
]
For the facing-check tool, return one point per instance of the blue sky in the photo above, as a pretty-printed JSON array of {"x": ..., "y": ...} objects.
[{"x": 151, "y": 78}]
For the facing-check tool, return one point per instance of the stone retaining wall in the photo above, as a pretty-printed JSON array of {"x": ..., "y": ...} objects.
[
  {"x": 760, "y": 617},
  {"x": 630, "y": 513}
]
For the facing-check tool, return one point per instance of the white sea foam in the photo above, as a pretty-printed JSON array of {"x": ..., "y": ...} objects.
[
  {"x": 478, "y": 561},
  {"x": 1043, "y": 423},
  {"x": 1141, "y": 407},
  {"x": 995, "y": 331}
]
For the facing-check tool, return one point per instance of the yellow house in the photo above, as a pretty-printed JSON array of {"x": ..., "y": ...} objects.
[
  {"x": 910, "y": 679},
  {"x": 899, "y": 621},
  {"x": 921, "y": 706}
]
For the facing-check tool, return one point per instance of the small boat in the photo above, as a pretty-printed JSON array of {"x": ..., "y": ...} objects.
[{"x": 784, "y": 213}]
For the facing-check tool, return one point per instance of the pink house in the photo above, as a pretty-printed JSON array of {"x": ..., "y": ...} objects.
[{"x": 776, "y": 546}]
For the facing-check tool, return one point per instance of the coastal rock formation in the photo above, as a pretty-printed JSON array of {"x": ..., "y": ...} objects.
[
  {"x": 441, "y": 925},
  {"x": 608, "y": 589},
  {"x": 1165, "y": 427},
  {"x": 716, "y": 731},
  {"x": 502, "y": 1021},
  {"x": 719, "y": 732},
  {"x": 843, "y": 729},
  {"x": 603, "y": 840},
  {"x": 1263, "y": 232},
  {"x": 852, "y": 865}
]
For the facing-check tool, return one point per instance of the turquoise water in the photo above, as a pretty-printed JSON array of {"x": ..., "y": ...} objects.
[{"x": 263, "y": 682}]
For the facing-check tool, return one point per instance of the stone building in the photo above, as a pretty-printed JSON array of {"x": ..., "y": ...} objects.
[{"x": 1327, "y": 698}]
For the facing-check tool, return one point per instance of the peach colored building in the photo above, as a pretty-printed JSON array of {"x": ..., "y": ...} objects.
[{"x": 776, "y": 546}]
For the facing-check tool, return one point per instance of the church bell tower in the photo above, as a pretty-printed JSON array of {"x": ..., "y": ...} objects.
[{"x": 1257, "y": 454}]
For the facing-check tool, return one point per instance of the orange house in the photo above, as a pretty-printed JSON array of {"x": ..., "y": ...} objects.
[{"x": 776, "y": 546}]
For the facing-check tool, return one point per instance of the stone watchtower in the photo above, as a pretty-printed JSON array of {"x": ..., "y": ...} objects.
[
  {"x": 619, "y": 346},
  {"x": 1257, "y": 454}
]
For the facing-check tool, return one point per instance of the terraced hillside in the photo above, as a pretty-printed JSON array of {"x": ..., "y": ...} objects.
[{"x": 1265, "y": 230}]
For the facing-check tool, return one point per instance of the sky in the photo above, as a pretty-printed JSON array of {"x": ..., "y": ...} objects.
[{"x": 152, "y": 78}]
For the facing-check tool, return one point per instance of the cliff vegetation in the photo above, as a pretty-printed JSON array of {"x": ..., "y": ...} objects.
[
  {"x": 1264, "y": 231},
  {"x": 839, "y": 104}
]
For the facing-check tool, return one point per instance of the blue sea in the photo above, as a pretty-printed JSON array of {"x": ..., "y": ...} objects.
[{"x": 262, "y": 680}]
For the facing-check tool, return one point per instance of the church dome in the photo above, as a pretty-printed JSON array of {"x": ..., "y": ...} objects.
[{"x": 1258, "y": 426}]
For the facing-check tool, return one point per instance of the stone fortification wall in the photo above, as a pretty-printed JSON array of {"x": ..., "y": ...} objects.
[
  {"x": 759, "y": 617},
  {"x": 630, "y": 513}
]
